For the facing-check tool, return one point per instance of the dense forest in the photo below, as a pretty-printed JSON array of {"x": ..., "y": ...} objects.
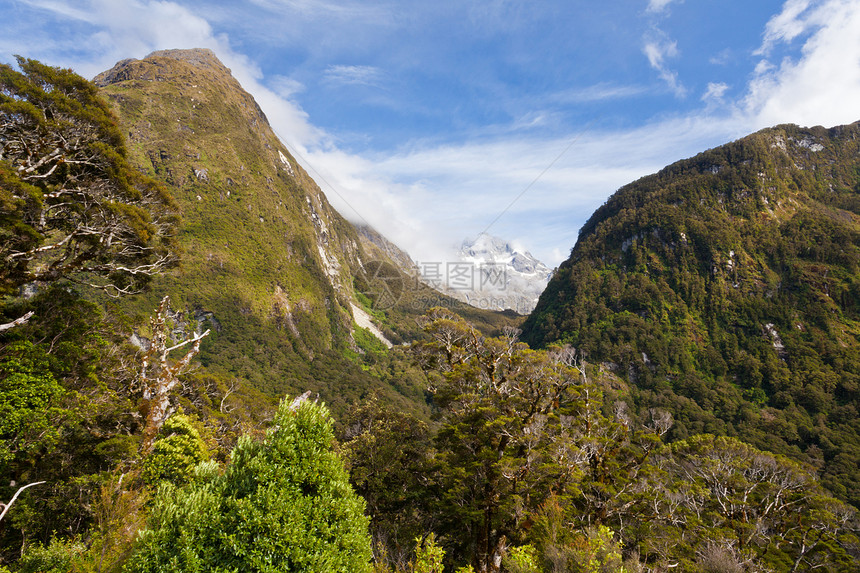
[{"x": 126, "y": 446}]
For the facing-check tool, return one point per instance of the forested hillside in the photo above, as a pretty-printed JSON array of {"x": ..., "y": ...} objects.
[{"x": 726, "y": 288}]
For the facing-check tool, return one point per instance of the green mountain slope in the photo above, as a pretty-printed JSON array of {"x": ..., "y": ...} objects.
[
  {"x": 726, "y": 287},
  {"x": 267, "y": 264},
  {"x": 266, "y": 261}
]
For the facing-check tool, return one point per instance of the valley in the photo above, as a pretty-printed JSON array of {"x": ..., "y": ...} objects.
[{"x": 680, "y": 394}]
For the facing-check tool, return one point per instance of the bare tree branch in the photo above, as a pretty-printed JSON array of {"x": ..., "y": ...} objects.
[
  {"x": 6, "y": 506},
  {"x": 159, "y": 375},
  {"x": 16, "y": 322}
]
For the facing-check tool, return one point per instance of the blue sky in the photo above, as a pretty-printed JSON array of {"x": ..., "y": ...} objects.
[{"x": 434, "y": 121}]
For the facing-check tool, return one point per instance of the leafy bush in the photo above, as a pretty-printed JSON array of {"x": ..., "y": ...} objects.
[
  {"x": 175, "y": 454},
  {"x": 283, "y": 504},
  {"x": 28, "y": 394},
  {"x": 58, "y": 557}
]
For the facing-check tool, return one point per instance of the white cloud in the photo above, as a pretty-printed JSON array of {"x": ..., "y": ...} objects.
[
  {"x": 284, "y": 86},
  {"x": 596, "y": 93},
  {"x": 61, "y": 8},
  {"x": 426, "y": 197},
  {"x": 722, "y": 58},
  {"x": 715, "y": 92},
  {"x": 785, "y": 26},
  {"x": 318, "y": 9},
  {"x": 658, "y": 6},
  {"x": 822, "y": 85},
  {"x": 114, "y": 30},
  {"x": 658, "y": 50},
  {"x": 134, "y": 28}
]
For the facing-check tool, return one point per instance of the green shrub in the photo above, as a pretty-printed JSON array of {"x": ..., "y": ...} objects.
[
  {"x": 428, "y": 556},
  {"x": 175, "y": 453},
  {"x": 283, "y": 504},
  {"x": 58, "y": 557}
]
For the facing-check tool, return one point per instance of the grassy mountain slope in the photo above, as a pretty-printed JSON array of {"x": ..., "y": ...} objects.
[
  {"x": 266, "y": 260},
  {"x": 727, "y": 288},
  {"x": 267, "y": 263}
]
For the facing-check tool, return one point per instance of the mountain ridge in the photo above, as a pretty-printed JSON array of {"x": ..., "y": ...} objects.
[
  {"x": 727, "y": 288},
  {"x": 264, "y": 252}
]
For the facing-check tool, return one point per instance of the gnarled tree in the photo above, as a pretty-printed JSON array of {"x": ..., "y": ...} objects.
[
  {"x": 71, "y": 206},
  {"x": 159, "y": 375},
  {"x": 518, "y": 427}
]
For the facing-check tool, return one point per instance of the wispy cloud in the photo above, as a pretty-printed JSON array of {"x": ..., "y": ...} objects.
[
  {"x": 596, "y": 93},
  {"x": 354, "y": 75},
  {"x": 285, "y": 87},
  {"x": 658, "y": 49},
  {"x": 62, "y": 8},
  {"x": 785, "y": 26},
  {"x": 715, "y": 92},
  {"x": 116, "y": 30},
  {"x": 425, "y": 195},
  {"x": 135, "y": 28},
  {"x": 722, "y": 58},
  {"x": 319, "y": 9},
  {"x": 659, "y": 6},
  {"x": 444, "y": 192}
]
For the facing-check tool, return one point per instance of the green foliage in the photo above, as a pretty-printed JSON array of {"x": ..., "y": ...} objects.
[
  {"x": 282, "y": 504},
  {"x": 561, "y": 548},
  {"x": 766, "y": 508},
  {"x": 87, "y": 428},
  {"x": 428, "y": 556},
  {"x": 517, "y": 427},
  {"x": 595, "y": 551},
  {"x": 252, "y": 232},
  {"x": 369, "y": 343},
  {"x": 57, "y": 557},
  {"x": 29, "y": 396},
  {"x": 175, "y": 453},
  {"x": 527, "y": 454},
  {"x": 388, "y": 453},
  {"x": 521, "y": 559},
  {"x": 118, "y": 515},
  {"x": 73, "y": 206}
]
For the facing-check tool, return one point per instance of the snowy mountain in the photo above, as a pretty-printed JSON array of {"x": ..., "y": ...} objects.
[{"x": 490, "y": 273}]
